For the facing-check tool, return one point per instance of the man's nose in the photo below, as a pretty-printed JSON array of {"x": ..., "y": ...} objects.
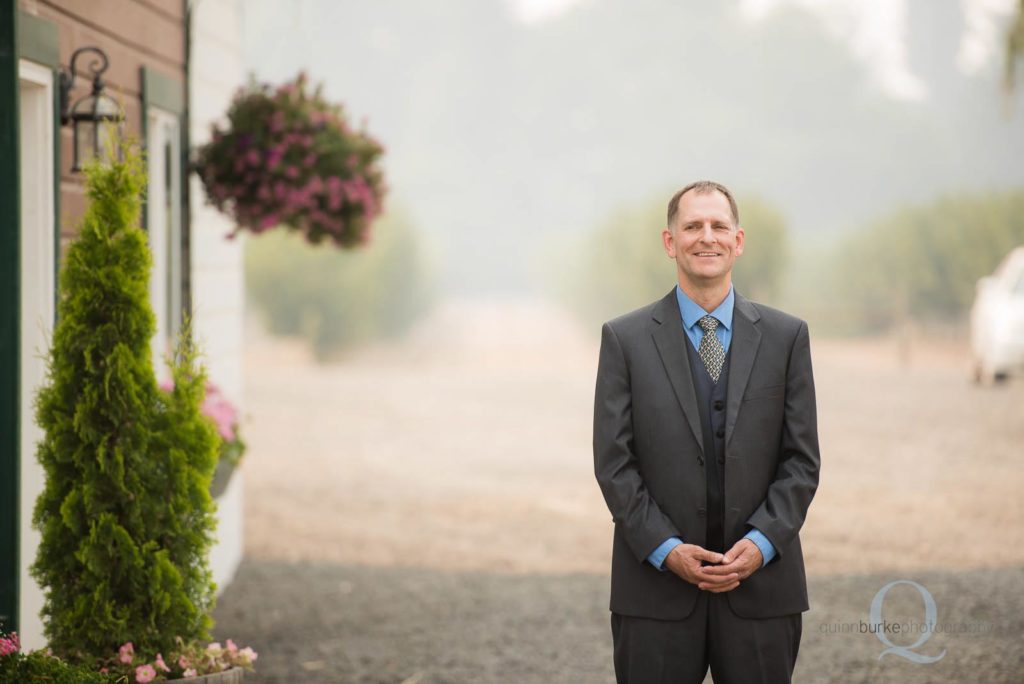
[{"x": 707, "y": 233}]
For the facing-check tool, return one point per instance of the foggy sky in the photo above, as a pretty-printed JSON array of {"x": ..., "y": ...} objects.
[{"x": 505, "y": 138}]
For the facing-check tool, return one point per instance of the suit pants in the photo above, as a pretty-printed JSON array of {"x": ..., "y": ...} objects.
[{"x": 738, "y": 650}]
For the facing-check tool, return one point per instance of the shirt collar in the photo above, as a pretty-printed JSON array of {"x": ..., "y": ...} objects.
[{"x": 691, "y": 312}]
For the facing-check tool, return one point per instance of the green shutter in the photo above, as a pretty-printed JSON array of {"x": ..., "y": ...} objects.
[
  {"x": 37, "y": 40},
  {"x": 10, "y": 312},
  {"x": 22, "y": 36}
]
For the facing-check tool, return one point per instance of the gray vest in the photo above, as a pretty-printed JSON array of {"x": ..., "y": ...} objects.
[{"x": 711, "y": 402}]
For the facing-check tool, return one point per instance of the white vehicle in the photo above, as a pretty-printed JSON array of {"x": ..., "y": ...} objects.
[{"x": 997, "y": 321}]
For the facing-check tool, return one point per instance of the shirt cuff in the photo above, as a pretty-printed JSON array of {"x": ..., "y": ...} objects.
[
  {"x": 658, "y": 556},
  {"x": 767, "y": 550}
]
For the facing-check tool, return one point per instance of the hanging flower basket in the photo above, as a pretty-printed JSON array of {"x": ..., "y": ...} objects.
[{"x": 287, "y": 157}]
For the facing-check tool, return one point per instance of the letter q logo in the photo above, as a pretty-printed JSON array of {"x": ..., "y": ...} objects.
[{"x": 929, "y": 625}]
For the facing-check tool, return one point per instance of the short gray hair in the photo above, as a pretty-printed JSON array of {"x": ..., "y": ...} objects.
[{"x": 703, "y": 187}]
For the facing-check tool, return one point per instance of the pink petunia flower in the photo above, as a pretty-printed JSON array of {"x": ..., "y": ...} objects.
[
  {"x": 10, "y": 645},
  {"x": 269, "y": 221},
  {"x": 126, "y": 653},
  {"x": 160, "y": 664},
  {"x": 145, "y": 674}
]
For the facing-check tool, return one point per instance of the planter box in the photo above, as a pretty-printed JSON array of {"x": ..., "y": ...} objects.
[
  {"x": 226, "y": 553},
  {"x": 232, "y": 676}
]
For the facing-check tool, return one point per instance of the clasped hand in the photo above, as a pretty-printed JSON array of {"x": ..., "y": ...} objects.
[{"x": 726, "y": 571}]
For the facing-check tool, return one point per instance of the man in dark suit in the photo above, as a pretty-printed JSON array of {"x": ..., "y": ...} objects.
[{"x": 706, "y": 451}]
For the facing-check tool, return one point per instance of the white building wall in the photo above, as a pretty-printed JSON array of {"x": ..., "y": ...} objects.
[{"x": 218, "y": 301}]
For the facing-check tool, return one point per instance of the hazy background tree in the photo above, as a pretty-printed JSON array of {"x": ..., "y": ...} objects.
[
  {"x": 925, "y": 260},
  {"x": 1014, "y": 46},
  {"x": 336, "y": 299}
]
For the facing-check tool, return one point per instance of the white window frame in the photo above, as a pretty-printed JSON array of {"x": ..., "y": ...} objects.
[{"x": 163, "y": 224}]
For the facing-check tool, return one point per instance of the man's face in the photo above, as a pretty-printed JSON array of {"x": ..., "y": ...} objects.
[{"x": 704, "y": 240}]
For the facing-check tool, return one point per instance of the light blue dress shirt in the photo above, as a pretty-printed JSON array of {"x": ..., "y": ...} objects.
[{"x": 691, "y": 312}]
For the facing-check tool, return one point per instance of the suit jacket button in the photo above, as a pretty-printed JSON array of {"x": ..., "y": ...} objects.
[
  {"x": 701, "y": 512},
  {"x": 719, "y": 405},
  {"x": 721, "y": 433}
]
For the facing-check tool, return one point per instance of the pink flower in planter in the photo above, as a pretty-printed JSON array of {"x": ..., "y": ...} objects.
[
  {"x": 10, "y": 645},
  {"x": 145, "y": 674},
  {"x": 183, "y": 663},
  {"x": 232, "y": 648},
  {"x": 189, "y": 673},
  {"x": 160, "y": 664},
  {"x": 248, "y": 655},
  {"x": 127, "y": 651}
]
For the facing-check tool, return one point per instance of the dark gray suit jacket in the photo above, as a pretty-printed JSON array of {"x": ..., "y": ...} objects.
[{"x": 648, "y": 447}]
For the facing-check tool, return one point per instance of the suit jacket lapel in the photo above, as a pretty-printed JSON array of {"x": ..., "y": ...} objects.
[
  {"x": 669, "y": 338},
  {"x": 743, "y": 349}
]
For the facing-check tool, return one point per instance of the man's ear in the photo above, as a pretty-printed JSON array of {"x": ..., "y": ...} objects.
[
  {"x": 668, "y": 243},
  {"x": 740, "y": 238}
]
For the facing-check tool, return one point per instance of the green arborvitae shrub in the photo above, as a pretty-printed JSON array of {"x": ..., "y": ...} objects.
[{"x": 126, "y": 515}]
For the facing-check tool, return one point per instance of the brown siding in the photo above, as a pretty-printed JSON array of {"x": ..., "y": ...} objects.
[{"x": 133, "y": 34}]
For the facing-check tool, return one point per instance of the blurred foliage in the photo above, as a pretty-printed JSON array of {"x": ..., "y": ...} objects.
[
  {"x": 624, "y": 265},
  {"x": 760, "y": 272},
  {"x": 337, "y": 299},
  {"x": 921, "y": 263},
  {"x": 1014, "y": 46}
]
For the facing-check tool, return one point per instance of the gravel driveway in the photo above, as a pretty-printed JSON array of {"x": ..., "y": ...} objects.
[
  {"x": 425, "y": 511},
  {"x": 317, "y": 622}
]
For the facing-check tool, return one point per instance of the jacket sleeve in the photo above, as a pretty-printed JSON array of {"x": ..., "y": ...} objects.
[
  {"x": 781, "y": 515},
  {"x": 633, "y": 510}
]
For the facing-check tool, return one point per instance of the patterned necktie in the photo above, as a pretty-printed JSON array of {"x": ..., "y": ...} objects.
[{"x": 711, "y": 351}]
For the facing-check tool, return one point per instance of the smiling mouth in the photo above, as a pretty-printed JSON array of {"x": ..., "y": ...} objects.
[{"x": 707, "y": 254}]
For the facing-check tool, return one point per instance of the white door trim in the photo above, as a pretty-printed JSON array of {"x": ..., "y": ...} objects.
[{"x": 38, "y": 249}]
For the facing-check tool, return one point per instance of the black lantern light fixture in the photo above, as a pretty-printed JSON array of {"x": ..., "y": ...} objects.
[{"x": 96, "y": 119}]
